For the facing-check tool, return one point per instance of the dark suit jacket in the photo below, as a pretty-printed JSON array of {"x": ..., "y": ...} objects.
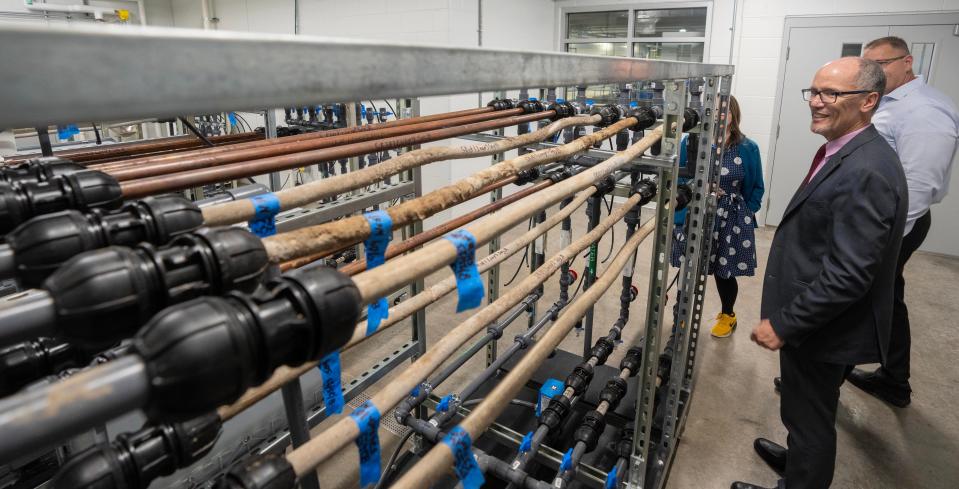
[{"x": 828, "y": 288}]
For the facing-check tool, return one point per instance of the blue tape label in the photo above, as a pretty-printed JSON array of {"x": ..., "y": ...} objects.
[
  {"x": 444, "y": 404},
  {"x": 567, "y": 462},
  {"x": 468, "y": 284},
  {"x": 527, "y": 443},
  {"x": 332, "y": 386},
  {"x": 381, "y": 232},
  {"x": 612, "y": 478},
  {"x": 464, "y": 463},
  {"x": 367, "y": 419},
  {"x": 266, "y": 207}
]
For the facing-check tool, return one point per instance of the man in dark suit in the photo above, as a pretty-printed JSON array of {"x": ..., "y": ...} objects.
[{"x": 828, "y": 289}]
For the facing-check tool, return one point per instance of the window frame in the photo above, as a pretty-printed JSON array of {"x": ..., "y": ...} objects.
[{"x": 631, "y": 37}]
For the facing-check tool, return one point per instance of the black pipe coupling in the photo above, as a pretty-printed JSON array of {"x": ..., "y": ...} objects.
[
  {"x": 501, "y": 104},
  {"x": 559, "y": 174},
  {"x": 684, "y": 195},
  {"x": 555, "y": 412},
  {"x": 613, "y": 392},
  {"x": 82, "y": 191},
  {"x": 207, "y": 352},
  {"x": 632, "y": 360},
  {"x": 624, "y": 447},
  {"x": 530, "y": 106},
  {"x": 263, "y": 472},
  {"x": 609, "y": 114},
  {"x": 646, "y": 189},
  {"x": 42, "y": 244},
  {"x": 645, "y": 116},
  {"x": 562, "y": 109},
  {"x": 134, "y": 460},
  {"x": 39, "y": 170},
  {"x": 526, "y": 176},
  {"x": 665, "y": 367},
  {"x": 604, "y": 186},
  {"x": 691, "y": 118},
  {"x": 602, "y": 349},
  {"x": 592, "y": 427},
  {"x": 579, "y": 378},
  {"x": 103, "y": 296},
  {"x": 26, "y": 362}
]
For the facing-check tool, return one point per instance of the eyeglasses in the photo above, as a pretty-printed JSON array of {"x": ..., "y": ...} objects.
[
  {"x": 828, "y": 96},
  {"x": 884, "y": 62}
]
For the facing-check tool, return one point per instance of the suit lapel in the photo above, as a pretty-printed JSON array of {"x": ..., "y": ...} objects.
[{"x": 829, "y": 167}]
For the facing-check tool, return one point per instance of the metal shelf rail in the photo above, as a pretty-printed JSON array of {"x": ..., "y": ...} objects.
[{"x": 158, "y": 72}]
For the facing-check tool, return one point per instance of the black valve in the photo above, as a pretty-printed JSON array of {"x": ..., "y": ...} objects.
[
  {"x": 590, "y": 430},
  {"x": 26, "y": 362},
  {"x": 559, "y": 174},
  {"x": 263, "y": 472},
  {"x": 82, "y": 191},
  {"x": 684, "y": 195},
  {"x": 555, "y": 412},
  {"x": 610, "y": 114},
  {"x": 691, "y": 118},
  {"x": 500, "y": 104},
  {"x": 530, "y": 106},
  {"x": 102, "y": 296},
  {"x": 601, "y": 350},
  {"x": 624, "y": 447},
  {"x": 646, "y": 188},
  {"x": 613, "y": 392},
  {"x": 632, "y": 360},
  {"x": 36, "y": 248},
  {"x": 562, "y": 110},
  {"x": 605, "y": 185},
  {"x": 529, "y": 175},
  {"x": 645, "y": 116},
  {"x": 206, "y": 352},
  {"x": 134, "y": 460},
  {"x": 580, "y": 378},
  {"x": 39, "y": 170}
]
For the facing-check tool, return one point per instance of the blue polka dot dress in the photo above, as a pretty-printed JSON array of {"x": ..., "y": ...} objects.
[{"x": 733, "y": 252}]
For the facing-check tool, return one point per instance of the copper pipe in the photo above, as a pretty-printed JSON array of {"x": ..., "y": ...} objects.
[
  {"x": 222, "y": 155},
  {"x": 187, "y": 179},
  {"x": 312, "y": 136},
  {"x": 91, "y": 155}
]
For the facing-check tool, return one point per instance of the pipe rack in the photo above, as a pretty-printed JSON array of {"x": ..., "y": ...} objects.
[{"x": 167, "y": 84}]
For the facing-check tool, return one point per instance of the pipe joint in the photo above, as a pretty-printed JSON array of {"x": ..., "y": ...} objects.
[
  {"x": 562, "y": 109},
  {"x": 501, "y": 104},
  {"x": 265, "y": 472},
  {"x": 81, "y": 191}
]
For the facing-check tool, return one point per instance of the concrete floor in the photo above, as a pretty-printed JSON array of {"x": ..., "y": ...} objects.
[{"x": 734, "y": 401}]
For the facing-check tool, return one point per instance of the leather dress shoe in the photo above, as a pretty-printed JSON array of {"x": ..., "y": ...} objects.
[
  {"x": 746, "y": 485},
  {"x": 773, "y": 454},
  {"x": 778, "y": 384},
  {"x": 881, "y": 386}
]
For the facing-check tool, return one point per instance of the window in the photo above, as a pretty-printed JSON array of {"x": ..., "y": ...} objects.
[
  {"x": 851, "y": 49},
  {"x": 675, "y": 34}
]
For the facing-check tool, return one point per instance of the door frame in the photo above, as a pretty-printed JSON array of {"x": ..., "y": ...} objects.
[{"x": 945, "y": 17}]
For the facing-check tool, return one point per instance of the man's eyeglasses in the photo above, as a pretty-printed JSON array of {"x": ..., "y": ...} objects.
[
  {"x": 884, "y": 62},
  {"x": 828, "y": 96}
]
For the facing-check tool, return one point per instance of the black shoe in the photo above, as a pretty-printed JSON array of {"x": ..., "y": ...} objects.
[
  {"x": 772, "y": 453},
  {"x": 879, "y": 385},
  {"x": 746, "y": 485},
  {"x": 778, "y": 384}
]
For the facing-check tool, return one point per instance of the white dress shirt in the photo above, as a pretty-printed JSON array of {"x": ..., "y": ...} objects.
[{"x": 922, "y": 126}]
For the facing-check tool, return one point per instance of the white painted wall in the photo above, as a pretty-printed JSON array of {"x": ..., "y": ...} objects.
[{"x": 14, "y": 11}]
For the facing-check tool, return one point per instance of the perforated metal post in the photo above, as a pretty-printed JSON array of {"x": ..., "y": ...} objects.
[
  {"x": 675, "y": 102},
  {"x": 693, "y": 271},
  {"x": 492, "y": 277}
]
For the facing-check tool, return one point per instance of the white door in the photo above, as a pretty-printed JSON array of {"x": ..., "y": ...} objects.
[
  {"x": 939, "y": 68},
  {"x": 809, "y": 49}
]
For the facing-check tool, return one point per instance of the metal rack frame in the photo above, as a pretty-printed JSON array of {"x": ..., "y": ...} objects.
[{"x": 170, "y": 72}]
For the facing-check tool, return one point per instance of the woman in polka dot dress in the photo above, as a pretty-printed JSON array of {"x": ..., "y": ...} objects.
[{"x": 733, "y": 251}]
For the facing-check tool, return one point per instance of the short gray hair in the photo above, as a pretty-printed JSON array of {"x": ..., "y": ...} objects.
[{"x": 871, "y": 77}]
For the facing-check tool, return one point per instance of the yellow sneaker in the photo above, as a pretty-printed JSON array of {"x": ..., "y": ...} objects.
[{"x": 725, "y": 324}]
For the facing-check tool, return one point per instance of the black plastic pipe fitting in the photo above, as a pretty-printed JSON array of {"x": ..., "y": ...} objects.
[
  {"x": 613, "y": 392},
  {"x": 263, "y": 472},
  {"x": 501, "y": 104},
  {"x": 530, "y": 106},
  {"x": 39, "y": 170},
  {"x": 26, "y": 362},
  {"x": 602, "y": 349},
  {"x": 632, "y": 360},
  {"x": 36, "y": 248},
  {"x": 82, "y": 191},
  {"x": 555, "y": 412},
  {"x": 562, "y": 110},
  {"x": 207, "y": 352},
  {"x": 579, "y": 378},
  {"x": 590, "y": 430}
]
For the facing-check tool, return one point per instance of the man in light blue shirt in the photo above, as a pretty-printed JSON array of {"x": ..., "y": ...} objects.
[{"x": 922, "y": 126}]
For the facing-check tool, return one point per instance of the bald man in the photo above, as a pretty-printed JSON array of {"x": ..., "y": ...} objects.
[{"x": 828, "y": 288}]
